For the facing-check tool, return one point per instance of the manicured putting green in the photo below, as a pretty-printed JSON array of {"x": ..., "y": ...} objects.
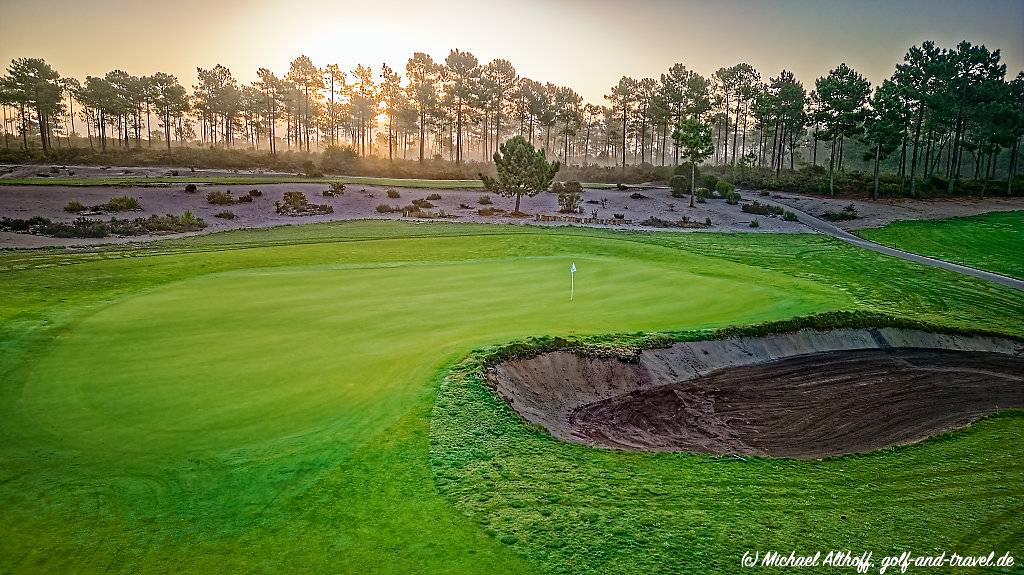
[{"x": 275, "y": 416}]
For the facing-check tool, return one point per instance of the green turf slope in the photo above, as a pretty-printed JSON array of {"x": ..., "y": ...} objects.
[
  {"x": 260, "y": 401},
  {"x": 992, "y": 241}
]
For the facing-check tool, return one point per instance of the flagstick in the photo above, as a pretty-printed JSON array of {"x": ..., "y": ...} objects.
[{"x": 572, "y": 285}]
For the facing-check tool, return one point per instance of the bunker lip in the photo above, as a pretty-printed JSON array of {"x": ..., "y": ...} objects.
[{"x": 808, "y": 394}]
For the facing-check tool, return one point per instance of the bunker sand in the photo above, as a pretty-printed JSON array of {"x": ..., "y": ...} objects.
[{"x": 805, "y": 395}]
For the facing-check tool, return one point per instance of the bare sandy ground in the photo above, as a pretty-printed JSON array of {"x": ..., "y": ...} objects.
[
  {"x": 358, "y": 202},
  {"x": 885, "y": 211}
]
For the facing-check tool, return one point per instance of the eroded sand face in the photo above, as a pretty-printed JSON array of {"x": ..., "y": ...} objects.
[{"x": 806, "y": 395}]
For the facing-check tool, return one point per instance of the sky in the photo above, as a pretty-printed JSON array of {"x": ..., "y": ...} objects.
[{"x": 584, "y": 44}]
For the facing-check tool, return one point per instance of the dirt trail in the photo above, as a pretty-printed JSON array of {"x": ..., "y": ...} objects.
[{"x": 805, "y": 395}]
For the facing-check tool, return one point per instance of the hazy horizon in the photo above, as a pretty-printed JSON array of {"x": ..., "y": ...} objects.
[{"x": 584, "y": 45}]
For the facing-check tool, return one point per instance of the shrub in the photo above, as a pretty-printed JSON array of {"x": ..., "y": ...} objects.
[
  {"x": 569, "y": 200},
  {"x": 764, "y": 193},
  {"x": 86, "y": 228},
  {"x": 760, "y": 209},
  {"x": 434, "y": 196},
  {"x": 619, "y": 216},
  {"x": 702, "y": 194},
  {"x": 789, "y": 216},
  {"x": 707, "y": 221},
  {"x": 337, "y": 188},
  {"x": 225, "y": 215},
  {"x": 74, "y": 206},
  {"x": 709, "y": 181},
  {"x": 422, "y": 204},
  {"x": 638, "y": 196},
  {"x": 295, "y": 204},
  {"x": 489, "y": 211},
  {"x": 393, "y": 194},
  {"x": 254, "y": 193},
  {"x": 680, "y": 185},
  {"x": 385, "y": 209},
  {"x": 485, "y": 200},
  {"x": 620, "y": 186},
  {"x": 732, "y": 197},
  {"x": 310, "y": 169},
  {"x": 339, "y": 159},
  {"x": 121, "y": 204},
  {"x": 219, "y": 198},
  {"x": 190, "y": 188},
  {"x": 725, "y": 188},
  {"x": 755, "y": 224},
  {"x": 465, "y": 207},
  {"x": 556, "y": 188},
  {"x": 295, "y": 199}
]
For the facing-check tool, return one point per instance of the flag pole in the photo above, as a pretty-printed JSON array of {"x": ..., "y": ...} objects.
[{"x": 572, "y": 280}]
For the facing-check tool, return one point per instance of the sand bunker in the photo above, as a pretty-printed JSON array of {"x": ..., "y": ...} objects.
[{"x": 808, "y": 394}]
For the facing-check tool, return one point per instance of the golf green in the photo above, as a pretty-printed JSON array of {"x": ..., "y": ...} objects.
[
  {"x": 277, "y": 416},
  {"x": 209, "y": 406}
]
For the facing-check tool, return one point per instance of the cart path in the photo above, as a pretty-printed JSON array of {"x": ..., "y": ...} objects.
[{"x": 828, "y": 228}]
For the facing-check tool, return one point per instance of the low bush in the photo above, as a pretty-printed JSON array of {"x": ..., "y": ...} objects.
[
  {"x": 485, "y": 200},
  {"x": 122, "y": 204},
  {"x": 246, "y": 199},
  {"x": 393, "y": 194},
  {"x": 74, "y": 206},
  {"x": 619, "y": 216},
  {"x": 680, "y": 185},
  {"x": 225, "y": 215},
  {"x": 190, "y": 188},
  {"x": 311, "y": 170},
  {"x": 254, "y": 193},
  {"x": 570, "y": 198},
  {"x": 760, "y": 209},
  {"x": 789, "y": 216},
  {"x": 655, "y": 222},
  {"x": 386, "y": 209},
  {"x": 434, "y": 196},
  {"x": 755, "y": 224},
  {"x": 707, "y": 221},
  {"x": 422, "y": 204},
  {"x": 219, "y": 198},
  {"x": 638, "y": 196},
  {"x": 465, "y": 207},
  {"x": 725, "y": 188},
  {"x": 295, "y": 204},
  {"x": 702, "y": 194},
  {"x": 709, "y": 181},
  {"x": 87, "y": 228},
  {"x": 732, "y": 197},
  {"x": 489, "y": 211}
]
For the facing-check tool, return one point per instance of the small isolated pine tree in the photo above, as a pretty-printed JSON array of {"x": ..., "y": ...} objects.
[
  {"x": 522, "y": 171},
  {"x": 695, "y": 144}
]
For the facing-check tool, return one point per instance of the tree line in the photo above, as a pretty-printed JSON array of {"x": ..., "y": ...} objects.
[{"x": 944, "y": 111}]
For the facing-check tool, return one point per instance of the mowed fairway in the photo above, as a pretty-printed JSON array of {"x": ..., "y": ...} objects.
[
  {"x": 267, "y": 409},
  {"x": 993, "y": 241}
]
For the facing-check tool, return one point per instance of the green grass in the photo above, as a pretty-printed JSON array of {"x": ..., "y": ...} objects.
[
  {"x": 992, "y": 241},
  {"x": 250, "y": 179},
  {"x": 261, "y": 401}
]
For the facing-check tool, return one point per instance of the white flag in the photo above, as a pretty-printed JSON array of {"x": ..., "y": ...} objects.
[{"x": 572, "y": 270}]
